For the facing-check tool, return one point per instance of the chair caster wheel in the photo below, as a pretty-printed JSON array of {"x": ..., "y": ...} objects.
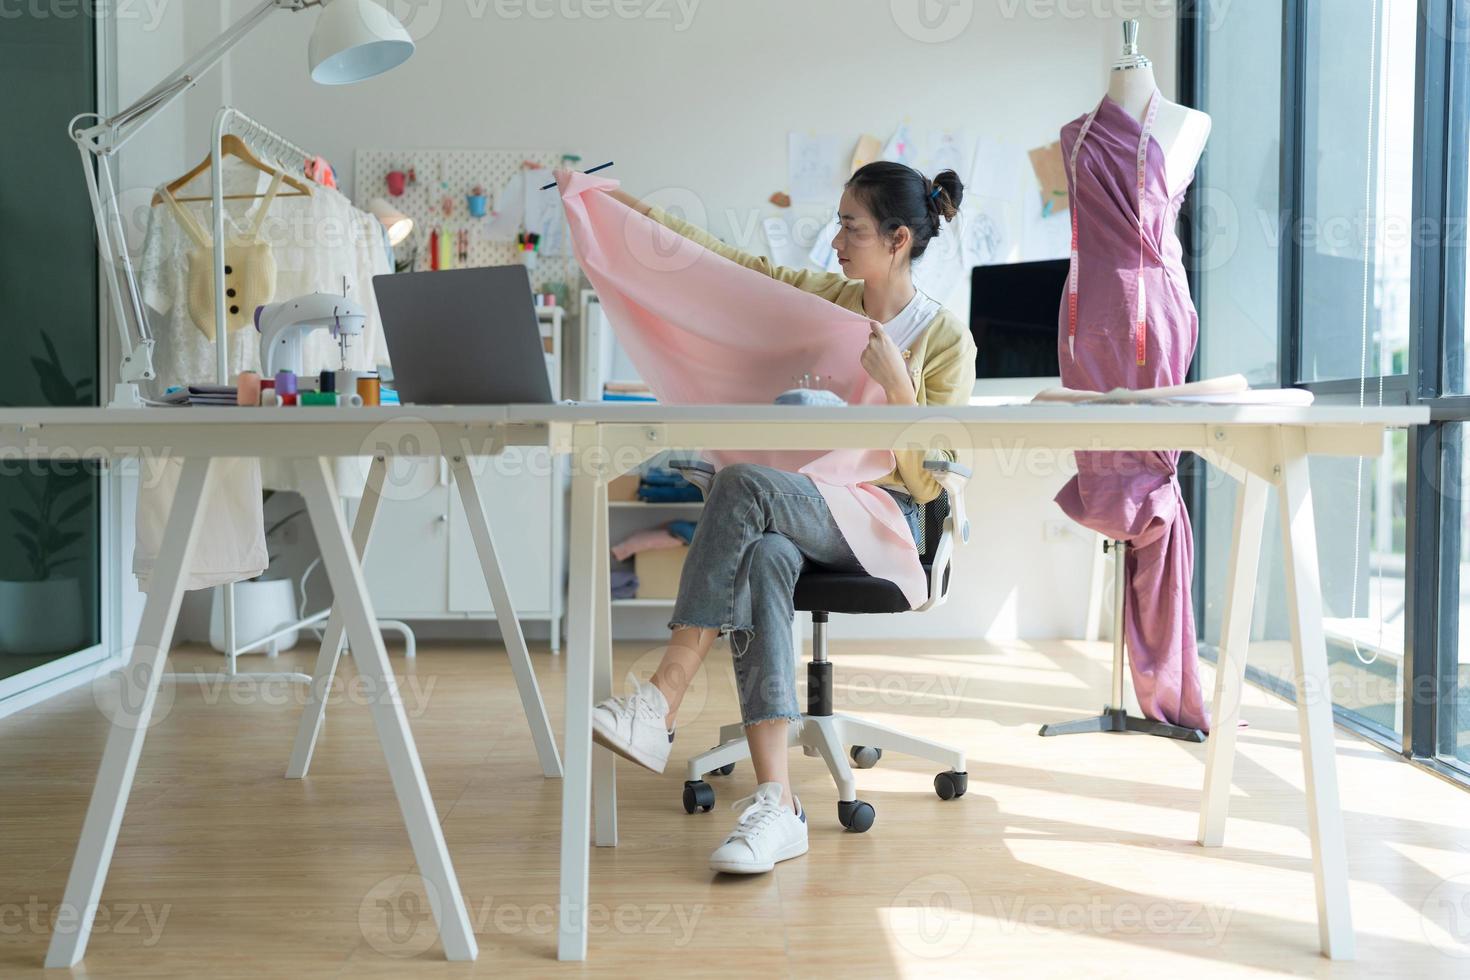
[
  {"x": 855, "y": 815},
  {"x": 698, "y": 795},
  {"x": 724, "y": 770},
  {"x": 951, "y": 785},
  {"x": 865, "y": 756}
]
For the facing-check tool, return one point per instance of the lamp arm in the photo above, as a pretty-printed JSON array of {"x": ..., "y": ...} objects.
[{"x": 109, "y": 135}]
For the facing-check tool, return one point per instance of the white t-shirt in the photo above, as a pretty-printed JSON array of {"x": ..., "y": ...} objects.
[{"x": 912, "y": 320}]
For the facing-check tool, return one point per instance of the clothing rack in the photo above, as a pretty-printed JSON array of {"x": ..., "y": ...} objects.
[
  {"x": 288, "y": 154},
  {"x": 264, "y": 140}
]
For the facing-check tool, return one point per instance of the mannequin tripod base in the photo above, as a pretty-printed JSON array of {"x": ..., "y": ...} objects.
[{"x": 1119, "y": 720}]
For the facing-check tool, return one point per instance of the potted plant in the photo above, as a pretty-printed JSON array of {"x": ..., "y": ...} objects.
[
  {"x": 476, "y": 201},
  {"x": 45, "y": 611}
]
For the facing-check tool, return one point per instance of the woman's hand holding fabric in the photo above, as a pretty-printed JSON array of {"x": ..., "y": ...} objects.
[{"x": 885, "y": 364}]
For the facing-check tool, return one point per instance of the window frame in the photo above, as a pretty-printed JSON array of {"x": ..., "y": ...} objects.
[{"x": 1437, "y": 325}]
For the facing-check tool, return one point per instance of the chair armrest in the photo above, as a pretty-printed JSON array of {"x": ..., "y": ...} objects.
[
  {"x": 953, "y": 477},
  {"x": 948, "y": 466}
]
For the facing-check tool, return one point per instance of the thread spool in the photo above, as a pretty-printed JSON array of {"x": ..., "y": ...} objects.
[
  {"x": 247, "y": 388},
  {"x": 370, "y": 387}
]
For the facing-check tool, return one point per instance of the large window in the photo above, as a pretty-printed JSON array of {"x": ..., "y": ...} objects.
[
  {"x": 49, "y": 513},
  {"x": 1329, "y": 253},
  {"x": 1357, "y": 188}
]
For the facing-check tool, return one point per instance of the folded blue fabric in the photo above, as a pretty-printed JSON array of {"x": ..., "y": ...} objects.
[
  {"x": 662, "y": 476},
  {"x": 683, "y": 530},
  {"x": 624, "y": 583},
  {"x": 809, "y": 396},
  {"x": 669, "y": 494}
]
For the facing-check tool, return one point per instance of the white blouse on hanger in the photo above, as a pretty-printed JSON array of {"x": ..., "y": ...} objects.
[{"x": 317, "y": 243}]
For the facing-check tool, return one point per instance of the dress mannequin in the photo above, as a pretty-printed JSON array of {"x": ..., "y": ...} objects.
[
  {"x": 1181, "y": 132},
  {"x": 1128, "y": 321}
]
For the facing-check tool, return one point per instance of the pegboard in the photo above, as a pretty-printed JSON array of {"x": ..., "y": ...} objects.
[{"x": 452, "y": 173}]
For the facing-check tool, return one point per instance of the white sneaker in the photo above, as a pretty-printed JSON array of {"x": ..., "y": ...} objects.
[
  {"x": 766, "y": 833},
  {"x": 633, "y": 725}
]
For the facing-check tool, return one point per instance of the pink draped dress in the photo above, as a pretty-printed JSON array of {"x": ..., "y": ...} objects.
[{"x": 1134, "y": 497}]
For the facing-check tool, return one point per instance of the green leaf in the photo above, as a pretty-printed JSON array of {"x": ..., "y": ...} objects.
[
  {"x": 64, "y": 539},
  {"x": 55, "y": 388},
  {"x": 51, "y": 350},
  {"x": 26, "y": 520},
  {"x": 73, "y": 509},
  {"x": 32, "y": 549}
]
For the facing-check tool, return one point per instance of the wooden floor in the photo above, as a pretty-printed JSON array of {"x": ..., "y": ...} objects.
[{"x": 1070, "y": 857}]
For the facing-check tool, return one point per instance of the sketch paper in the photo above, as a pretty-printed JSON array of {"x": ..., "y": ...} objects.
[{"x": 816, "y": 168}]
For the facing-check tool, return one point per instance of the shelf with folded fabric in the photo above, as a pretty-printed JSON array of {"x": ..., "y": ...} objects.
[{"x": 695, "y": 504}]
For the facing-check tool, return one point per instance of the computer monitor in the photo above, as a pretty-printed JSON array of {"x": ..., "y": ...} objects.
[{"x": 1014, "y": 312}]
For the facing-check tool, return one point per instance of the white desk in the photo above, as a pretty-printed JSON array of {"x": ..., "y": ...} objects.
[
  {"x": 310, "y": 437},
  {"x": 1259, "y": 446}
]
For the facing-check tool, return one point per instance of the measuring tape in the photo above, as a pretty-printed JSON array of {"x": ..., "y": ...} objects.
[{"x": 1140, "y": 318}]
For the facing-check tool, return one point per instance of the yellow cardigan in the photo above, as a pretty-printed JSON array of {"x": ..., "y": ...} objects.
[{"x": 941, "y": 361}]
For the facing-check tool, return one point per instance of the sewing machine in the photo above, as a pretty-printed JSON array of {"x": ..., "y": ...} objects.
[{"x": 283, "y": 324}]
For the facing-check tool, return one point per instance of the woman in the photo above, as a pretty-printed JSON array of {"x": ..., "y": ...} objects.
[{"x": 761, "y": 525}]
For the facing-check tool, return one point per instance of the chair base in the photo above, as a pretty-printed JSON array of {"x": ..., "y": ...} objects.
[
  {"x": 829, "y": 736},
  {"x": 1119, "y": 720}
]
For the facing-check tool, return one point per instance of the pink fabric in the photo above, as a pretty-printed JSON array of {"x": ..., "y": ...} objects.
[
  {"x": 648, "y": 539},
  {"x": 1135, "y": 497},
  {"x": 704, "y": 330}
]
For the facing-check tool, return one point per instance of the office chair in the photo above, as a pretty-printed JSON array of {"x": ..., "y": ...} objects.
[{"x": 838, "y": 737}]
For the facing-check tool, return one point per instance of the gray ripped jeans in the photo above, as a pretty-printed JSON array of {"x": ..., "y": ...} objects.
[{"x": 760, "y": 526}]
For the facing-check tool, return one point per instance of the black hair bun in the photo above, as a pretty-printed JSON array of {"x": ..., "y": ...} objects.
[{"x": 951, "y": 193}]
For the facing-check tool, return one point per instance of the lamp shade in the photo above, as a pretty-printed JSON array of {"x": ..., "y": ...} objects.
[
  {"x": 356, "y": 40},
  {"x": 398, "y": 224}
]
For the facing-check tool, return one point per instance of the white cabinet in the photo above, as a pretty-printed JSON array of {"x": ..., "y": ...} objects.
[
  {"x": 407, "y": 574},
  {"x": 520, "y": 494},
  {"x": 422, "y": 563}
]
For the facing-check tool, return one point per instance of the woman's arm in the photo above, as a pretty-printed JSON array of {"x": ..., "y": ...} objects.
[
  {"x": 824, "y": 284},
  {"x": 949, "y": 379},
  {"x": 622, "y": 197}
]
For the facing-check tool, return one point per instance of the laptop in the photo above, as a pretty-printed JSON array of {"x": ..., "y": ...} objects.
[{"x": 464, "y": 337}]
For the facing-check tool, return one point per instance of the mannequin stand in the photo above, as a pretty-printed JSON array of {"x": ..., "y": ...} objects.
[{"x": 1115, "y": 717}]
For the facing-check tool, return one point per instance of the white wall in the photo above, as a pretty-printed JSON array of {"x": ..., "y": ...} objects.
[
  {"x": 702, "y": 105},
  {"x": 700, "y": 98}
]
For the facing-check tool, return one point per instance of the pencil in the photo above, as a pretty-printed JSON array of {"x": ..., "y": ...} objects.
[{"x": 591, "y": 170}]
